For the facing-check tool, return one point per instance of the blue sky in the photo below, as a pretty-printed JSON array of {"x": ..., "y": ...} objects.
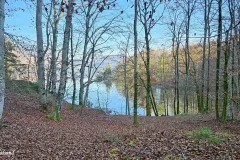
[{"x": 21, "y": 22}]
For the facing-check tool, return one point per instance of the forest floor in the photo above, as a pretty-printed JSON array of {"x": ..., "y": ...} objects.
[{"x": 94, "y": 135}]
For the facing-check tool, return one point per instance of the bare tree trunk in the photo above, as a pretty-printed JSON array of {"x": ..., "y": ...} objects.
[
  {"x": 187, "y": 59},
  {"x": 177, "y": 73},
  {"x": 65, "y": 49},
  {"x": 164, "y": 103},
  {"x": 73, "y": 72},
  {"x": 82, "y": 70},
  {"x": 219, "y": 45},
  {"x": 40, "y": 54},
  {"x": 53, "y": 67},
  {"x": 176, "y": 39},
  {"x": 204, "y": 57},
  {"x": 125, "y": 77},
  {"x": 148, "y": 109},
  {"x": 89, "y": 74},
  {"x": 135, "y": 101},
  {"x": 175, "y": 69},
  {"x": 238, "y": 62},
  {"x": 209, "y": 54},
  {"x": 2, "y": 52},
  {"x": 225, "y": 79}
]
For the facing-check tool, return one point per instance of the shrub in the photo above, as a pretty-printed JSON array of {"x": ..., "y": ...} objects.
[{"x": 203, "y": 133}]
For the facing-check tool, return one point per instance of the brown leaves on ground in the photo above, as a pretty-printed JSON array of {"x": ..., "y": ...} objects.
[{"x": 98, "y": 136}]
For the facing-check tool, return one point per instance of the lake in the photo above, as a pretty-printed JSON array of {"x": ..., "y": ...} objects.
[{"x": 111, "y": 99}]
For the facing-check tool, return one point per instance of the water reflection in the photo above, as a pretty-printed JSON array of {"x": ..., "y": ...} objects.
[
  {"x": 110, "y": 97},
  {"x": 106, "y": 96}
]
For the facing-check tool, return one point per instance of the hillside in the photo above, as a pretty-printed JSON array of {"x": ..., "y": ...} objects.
[{"x": 99, "y": 136}]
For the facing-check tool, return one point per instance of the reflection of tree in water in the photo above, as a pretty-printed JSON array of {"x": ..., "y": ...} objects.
[
  {"x": 108, "y": 84},
  {"x": 164, "y": 98},
  {"x": 141, "y": 92}
]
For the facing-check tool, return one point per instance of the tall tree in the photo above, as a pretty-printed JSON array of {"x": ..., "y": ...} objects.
[
  {"x": 147, "y": 10},
  {"x": 2, "y": 52},
  {"x": 73, "y": 72},
  {"x": 125, "y": 77},
  {"x": 40, "y": 56},
  {"x": 225, "y": 77},
  {"x": 209, "y": 5},
  {"x": 89, "y": 15},
  {"x": 91, "y": 11},
  {"x": 204, "y": 55},
  {"x": 56, "y": 18},
  {"x": 176, "y": 30},
  {"x": 188, "y": 7},
  {"x": 65, "y": 50},
  {"x": 135, "y": 100},
  {"x": 219, "y": 50}
]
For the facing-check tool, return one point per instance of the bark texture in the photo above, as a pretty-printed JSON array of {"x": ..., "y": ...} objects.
[
  {"x": 65, "y": 49},
  {"x": 2, "y": 52},
  {"x": 135, "y": 118},
  {"x": 40, "y": 55}
]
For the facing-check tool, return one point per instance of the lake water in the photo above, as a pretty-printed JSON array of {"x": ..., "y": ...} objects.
[{"x": 110, "y": 98}]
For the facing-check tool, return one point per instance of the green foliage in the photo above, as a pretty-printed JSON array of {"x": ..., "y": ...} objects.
[
  {"x": 112, "y": 155},
  {"x": 33, "y": 86},
  {"x": 203, "y": 133},
  {"x": 54, "y": 115},
  {"x": 215, "y": 140},
  {"x": 107, "y": 71},
  {"x": 113, "y": 152},
  {"x": 131, "y": 143},
  {"x": 3, "y": 126}
]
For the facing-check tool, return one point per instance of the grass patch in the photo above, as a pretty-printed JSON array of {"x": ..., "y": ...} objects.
[
  {"x": 203, "y": 133},
  {"x": 113, "y": 152},
  {"x": 206, "y": 134},
  {"x": 215, "y": 140},
  {"x": 3, "y": 126}
]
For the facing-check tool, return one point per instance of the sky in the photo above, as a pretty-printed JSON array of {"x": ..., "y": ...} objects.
[{"x": 20, "y": 20}]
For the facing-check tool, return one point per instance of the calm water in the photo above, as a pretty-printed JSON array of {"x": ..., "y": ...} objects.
[{"x": 109, "y": 97}]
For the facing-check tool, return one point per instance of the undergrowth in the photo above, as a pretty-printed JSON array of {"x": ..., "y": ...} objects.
[
  {"x": 204, "y": 133},
  {"x": 54, "y": 115},
  {"x": 3, "y": 126}
]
